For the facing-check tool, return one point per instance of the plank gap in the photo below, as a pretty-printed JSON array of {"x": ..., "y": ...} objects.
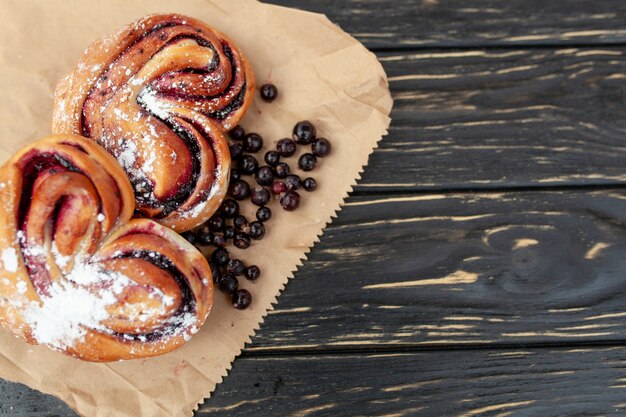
[
  {"x": 487, "y": 189},
  {"x": 454, "y": 47},
  {"x": 398, "y": 349}
]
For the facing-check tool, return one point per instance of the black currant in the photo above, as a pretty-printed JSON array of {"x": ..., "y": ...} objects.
[
  {"x": 219, "y": 240},
  {"x": 216, "y": 223},
  {"x": 253, "y": 272},
  {"x": 293, "y": 182},
  {"x": 264, "y": 176},
  {"x": 253, "y": 143},
  {"x": 236, "y": 150},
  {"x": 321, "y": 147},
  {"x": 240, "y": 190},
  {"x": 190, "y": 237},
  {"x": 257, "y": 230},
  {"x": 304, "y": 132},
  {"x": 240, "y": 222},
  {"x": 242, "y": 241},
  {"x": 260, "y": 196},
  {"x": 269, "y": 92},
  {"x": 242, "y": 299},
  {"x": 286, "y": 147},
  {"x": 307, "y": 162},
  {"x": 237, "y": 133},
  {"x": 310, "y": 184},
  {"x": 248, "y": 165},
  {"x": 272, "y": 158},
  {"x": 205, "y": 236},
  {"x": 220, "y": 257},
  {"x": 282, "y": 170},
  {"x": 263, "y": 214},
  {"x": 228, "y": 284},
  {"x": 215, "y": 272},
  {"x": 278, "y": 188},
  {"x": 230, "y": 208},
  {"x": 236, "y": 267},
  {"x": 229, "y": 232},
  {"x": 290, "y": 200}
]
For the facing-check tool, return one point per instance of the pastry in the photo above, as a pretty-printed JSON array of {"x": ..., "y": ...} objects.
[
  {"x": 77, "y": 274},
  {"x": 158, "y": 95}
]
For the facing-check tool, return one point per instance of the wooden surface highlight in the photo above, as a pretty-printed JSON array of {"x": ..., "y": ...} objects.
[
  {"x": 476, "y": 383},
  {"x": 410, "y": 24},
  {"x": 486, "y": 119},
  {"x": 457, "y": 269}
]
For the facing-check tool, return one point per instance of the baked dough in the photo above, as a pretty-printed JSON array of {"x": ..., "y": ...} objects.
[
  {"x": 158, "y": 95},
  {"x": 77, "y": 274}
]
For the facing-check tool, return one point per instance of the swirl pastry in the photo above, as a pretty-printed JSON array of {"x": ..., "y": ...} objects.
[
  {"x": 77, "y": 274},
  {"x": 158, "y": 95}
]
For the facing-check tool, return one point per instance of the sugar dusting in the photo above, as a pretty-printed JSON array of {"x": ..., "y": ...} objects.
[
  {"x": 149, "y": 100},
  {"x": 22, "y": 287},
  {"x": 79, "y": 302},
  {"x": 63, "y": 318},
  {"x": 75, "y": 305},
  {"x": 128, "y": 156},
  {"x": 9, "y": 259},
  {"x": 137, "y": 152}
]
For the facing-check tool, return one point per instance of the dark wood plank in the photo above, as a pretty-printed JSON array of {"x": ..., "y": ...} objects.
[
  {"x": 516, "y": 383},
  {"x": 466, "y": 383},
  {"x": 17, "y": 400},
  {"x": 484, "y": 119},
  {"x": 445, "y": 270},
  {"x": 446, "y": 23}
]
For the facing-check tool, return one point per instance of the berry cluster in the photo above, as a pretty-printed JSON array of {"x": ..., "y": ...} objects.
[{"x": 274, "y": 179}]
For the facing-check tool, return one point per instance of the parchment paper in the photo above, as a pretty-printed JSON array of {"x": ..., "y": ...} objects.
[{"x": 323, "y": 75}]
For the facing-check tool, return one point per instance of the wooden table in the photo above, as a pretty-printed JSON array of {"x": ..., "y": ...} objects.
[{"x": 479, "y": 269}]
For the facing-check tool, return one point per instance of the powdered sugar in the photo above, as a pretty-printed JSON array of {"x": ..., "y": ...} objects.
[
  {"x": 168, "y": 301},
  {"x": 121, "y": 115},
  {"x": 9, "y": 259},
  {"x": 149, "y": 100},
  {"x": 187, "y": 322},
  {"x": 61, "y": 261},
  {"x": 22, "y": 287},
  {"x": 81, "y": 303},
  {"x": 82, "y": 299},
  {"x": 148, "y": 165},
  {"x": 128, "y": 156},
  {"x": 63, "y": 318}
]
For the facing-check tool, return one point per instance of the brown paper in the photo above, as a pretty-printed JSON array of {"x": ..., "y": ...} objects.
[{"x": 323, "y": 75}]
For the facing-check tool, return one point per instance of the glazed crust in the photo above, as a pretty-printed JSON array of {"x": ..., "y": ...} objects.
[
  {"x": 158, "y": 95},
  {"x": 66, "y": 234}
]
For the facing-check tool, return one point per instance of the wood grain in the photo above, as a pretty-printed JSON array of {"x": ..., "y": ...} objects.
[
  {"x": 503, "y": 118},
  {"x": 465, "y": 383},
  {"x": 448, "y": 23},
  {"x": 458, "y": 290},
  {"x": 17, "y": 400},
  {"x": 488, "y": 383},
  {"x": 441, "y": 271},
  {"x": 454, "y": 269}
]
